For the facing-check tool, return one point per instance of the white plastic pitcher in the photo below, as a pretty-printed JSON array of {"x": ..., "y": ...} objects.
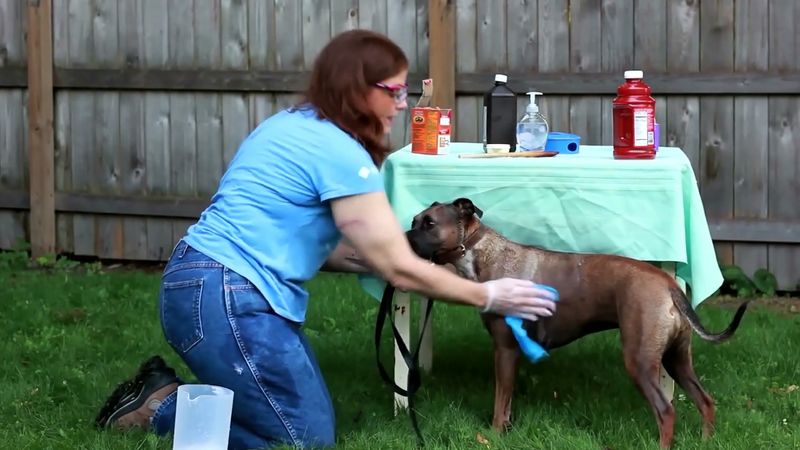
[{"x": 203, "y": 417}]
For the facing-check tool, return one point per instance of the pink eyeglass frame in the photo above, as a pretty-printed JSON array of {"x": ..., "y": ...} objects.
[{"x": 400, "y": 90}]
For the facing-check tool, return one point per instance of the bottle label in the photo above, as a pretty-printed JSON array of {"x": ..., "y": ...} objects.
[{"x": 643, "y": 128}]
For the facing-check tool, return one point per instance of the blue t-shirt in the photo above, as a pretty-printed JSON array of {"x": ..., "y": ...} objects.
[{"x": 270, "y": 219}]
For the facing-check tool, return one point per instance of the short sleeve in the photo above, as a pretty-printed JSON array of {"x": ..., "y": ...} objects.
[{"x": 344, "y": 168}]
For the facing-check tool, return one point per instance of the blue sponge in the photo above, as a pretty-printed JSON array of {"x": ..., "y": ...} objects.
[{"x": 529, "y": 347}]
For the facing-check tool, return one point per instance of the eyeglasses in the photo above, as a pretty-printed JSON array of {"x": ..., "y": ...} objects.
[{"x": 399, "y": 91}]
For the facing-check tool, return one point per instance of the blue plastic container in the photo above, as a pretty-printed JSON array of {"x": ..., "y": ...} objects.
[{"x": 563, "y": 142}]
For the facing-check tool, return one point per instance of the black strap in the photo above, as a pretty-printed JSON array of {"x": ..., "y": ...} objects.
[{"x": 412, "y": 360}]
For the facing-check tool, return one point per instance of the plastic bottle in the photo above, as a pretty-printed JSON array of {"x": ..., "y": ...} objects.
[
  {"x": 532, "y": 129},
  {"x": 634, "y": 119},
  {"x": 500, "y": 114}
]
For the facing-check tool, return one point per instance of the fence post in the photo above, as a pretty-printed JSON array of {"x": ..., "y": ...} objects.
[
  {"x": 442, "y": 54},
  {"x": 42, "y": 218}
]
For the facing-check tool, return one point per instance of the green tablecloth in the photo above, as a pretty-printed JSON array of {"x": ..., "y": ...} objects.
[{"x": 587, "y": 202}]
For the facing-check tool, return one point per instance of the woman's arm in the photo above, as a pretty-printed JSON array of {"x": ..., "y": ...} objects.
[
  {"x": 344, "y": 258},
  {"x": 370, "y": 225}
]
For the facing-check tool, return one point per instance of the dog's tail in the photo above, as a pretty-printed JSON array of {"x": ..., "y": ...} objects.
[{"x": 685, "y": 307}]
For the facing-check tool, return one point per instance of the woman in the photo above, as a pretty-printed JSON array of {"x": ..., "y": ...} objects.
[{"x": 232, "y": 298}]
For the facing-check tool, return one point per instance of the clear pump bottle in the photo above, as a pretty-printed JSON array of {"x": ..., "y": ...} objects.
[{"x": 532, "y": 129}]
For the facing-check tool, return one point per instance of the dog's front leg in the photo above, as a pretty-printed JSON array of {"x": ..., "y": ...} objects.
[{"x": 506, "y": 361}]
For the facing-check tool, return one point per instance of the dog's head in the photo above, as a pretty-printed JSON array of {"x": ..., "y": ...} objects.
[{"x": 441, "y": 227}]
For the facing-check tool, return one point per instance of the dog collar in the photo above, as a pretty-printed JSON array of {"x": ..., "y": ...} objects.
[{"x": 453, "y": 255}]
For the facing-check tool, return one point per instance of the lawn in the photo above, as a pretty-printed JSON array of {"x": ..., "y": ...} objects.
[{"x": 69, "y": 334}]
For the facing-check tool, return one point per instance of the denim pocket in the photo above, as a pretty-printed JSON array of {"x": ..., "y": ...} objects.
[{"x": 180, "y": 313}]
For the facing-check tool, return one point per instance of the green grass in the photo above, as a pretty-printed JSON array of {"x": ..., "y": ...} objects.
[{"x": 68, "y": 336}]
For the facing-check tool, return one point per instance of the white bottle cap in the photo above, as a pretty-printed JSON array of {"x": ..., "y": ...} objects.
[
  {"x": 444, "y": 120},
  {"x": 501, "y": 78},
  {"x": 634, "y": 74}
]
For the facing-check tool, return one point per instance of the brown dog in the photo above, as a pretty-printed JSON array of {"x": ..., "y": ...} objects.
[{"x": 597, "y": 292}]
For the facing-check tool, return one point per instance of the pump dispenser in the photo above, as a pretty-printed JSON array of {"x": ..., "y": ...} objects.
[{"x": 532, "y": 129}]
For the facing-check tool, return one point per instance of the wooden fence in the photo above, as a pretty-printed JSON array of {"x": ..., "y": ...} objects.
[{"x": 117, "y": 117}]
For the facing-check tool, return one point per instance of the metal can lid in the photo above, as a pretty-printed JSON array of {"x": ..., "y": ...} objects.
[{"x": 501, "y": 78}]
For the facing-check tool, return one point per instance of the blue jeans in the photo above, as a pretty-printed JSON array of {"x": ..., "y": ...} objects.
[{"x": 226, "y": 332}]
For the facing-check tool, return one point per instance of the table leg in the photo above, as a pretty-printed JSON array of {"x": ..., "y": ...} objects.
[
  {"x": 667, "y": 383},
  {"x": 402, "y": 313},
  {"x": 426, "y": 345}
]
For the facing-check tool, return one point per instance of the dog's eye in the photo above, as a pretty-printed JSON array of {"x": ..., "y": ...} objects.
[{"x": 428, "y": 222}]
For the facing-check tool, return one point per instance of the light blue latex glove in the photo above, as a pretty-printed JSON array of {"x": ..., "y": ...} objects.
[{"x": 529, "y": 347}]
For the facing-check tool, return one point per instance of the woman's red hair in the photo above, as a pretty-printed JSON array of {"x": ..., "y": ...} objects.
[{"x": 344, "y": 72}]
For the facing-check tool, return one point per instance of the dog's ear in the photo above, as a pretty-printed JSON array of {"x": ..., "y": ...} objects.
[
  {"x": 434, "y": 204},
  {"x": 466, "y": 208}
]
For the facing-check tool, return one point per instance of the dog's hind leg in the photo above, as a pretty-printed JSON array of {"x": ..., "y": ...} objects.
[
  {"x": 678, "y": 362},
  {"x": 643, "y": 362}
]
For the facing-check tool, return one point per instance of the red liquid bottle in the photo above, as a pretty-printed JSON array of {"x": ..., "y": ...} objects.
[{"x": 634, "y": 119}]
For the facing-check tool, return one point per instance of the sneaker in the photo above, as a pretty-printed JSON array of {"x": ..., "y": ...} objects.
[{"x": 134, "y": 402}]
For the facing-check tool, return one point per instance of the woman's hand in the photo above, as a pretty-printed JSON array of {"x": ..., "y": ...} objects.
[{"x": 513, "y": 297}]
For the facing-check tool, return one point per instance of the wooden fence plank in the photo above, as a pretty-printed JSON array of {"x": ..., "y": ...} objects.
[
  {"x": 469, "y": 108},
  {"x": 316, "y": 29},
  {"x": 344, "y": 16},
  {"x": 618, "y": 36},
  {"x": 81, "y": 112},
  {"x": 235, "y": 106},
  {"x": 183, "y": 124},
  {"x": 234, "y": 124},
  {"x": 554, "y": 57},
  {"x": 784, "y": 135},
  {"x": 260, "y": 34},
  {"x": 13, "y": 120},
  {"x": 422, "y": 34},
  {"x": 586, "y": 53},
  {"x": 650, "y": 55},
  {"x": 157, "y": 126},
  {"x": 372, "y": 15},
  {"x": 682, "y": 126},
  {"x": 522, "y": 28},
  {"x": 63, "y": 149},
  {"x": 106, "y": 169},
  {"x": 156, "y": 34},
  {"x": 650, "y": 36},
  {"x": 618, "y": 54},
  {"x": 402, "y": 28},
  {"x": 157, "y": 169},
  {"x": 208, "y": 46},
  {"x": 13, "y": 27},
  {"x": 210, "y": 147},
  {"x": 715, "y": 177},
  {"x": 751, "y": 125},
  {"x": 12, "y": 163},
  {"x": 289, "y": 49},
  {"x": 132, "y": 160},
  {"x": 442, "y": 62},
  {"x": 492, "y": 39},
  {"x": 63, "y": 166},
  {"x": 40, "y": 119},
  {"x": 234, "y": 37},
  {"x": 261, "y": 107}
]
